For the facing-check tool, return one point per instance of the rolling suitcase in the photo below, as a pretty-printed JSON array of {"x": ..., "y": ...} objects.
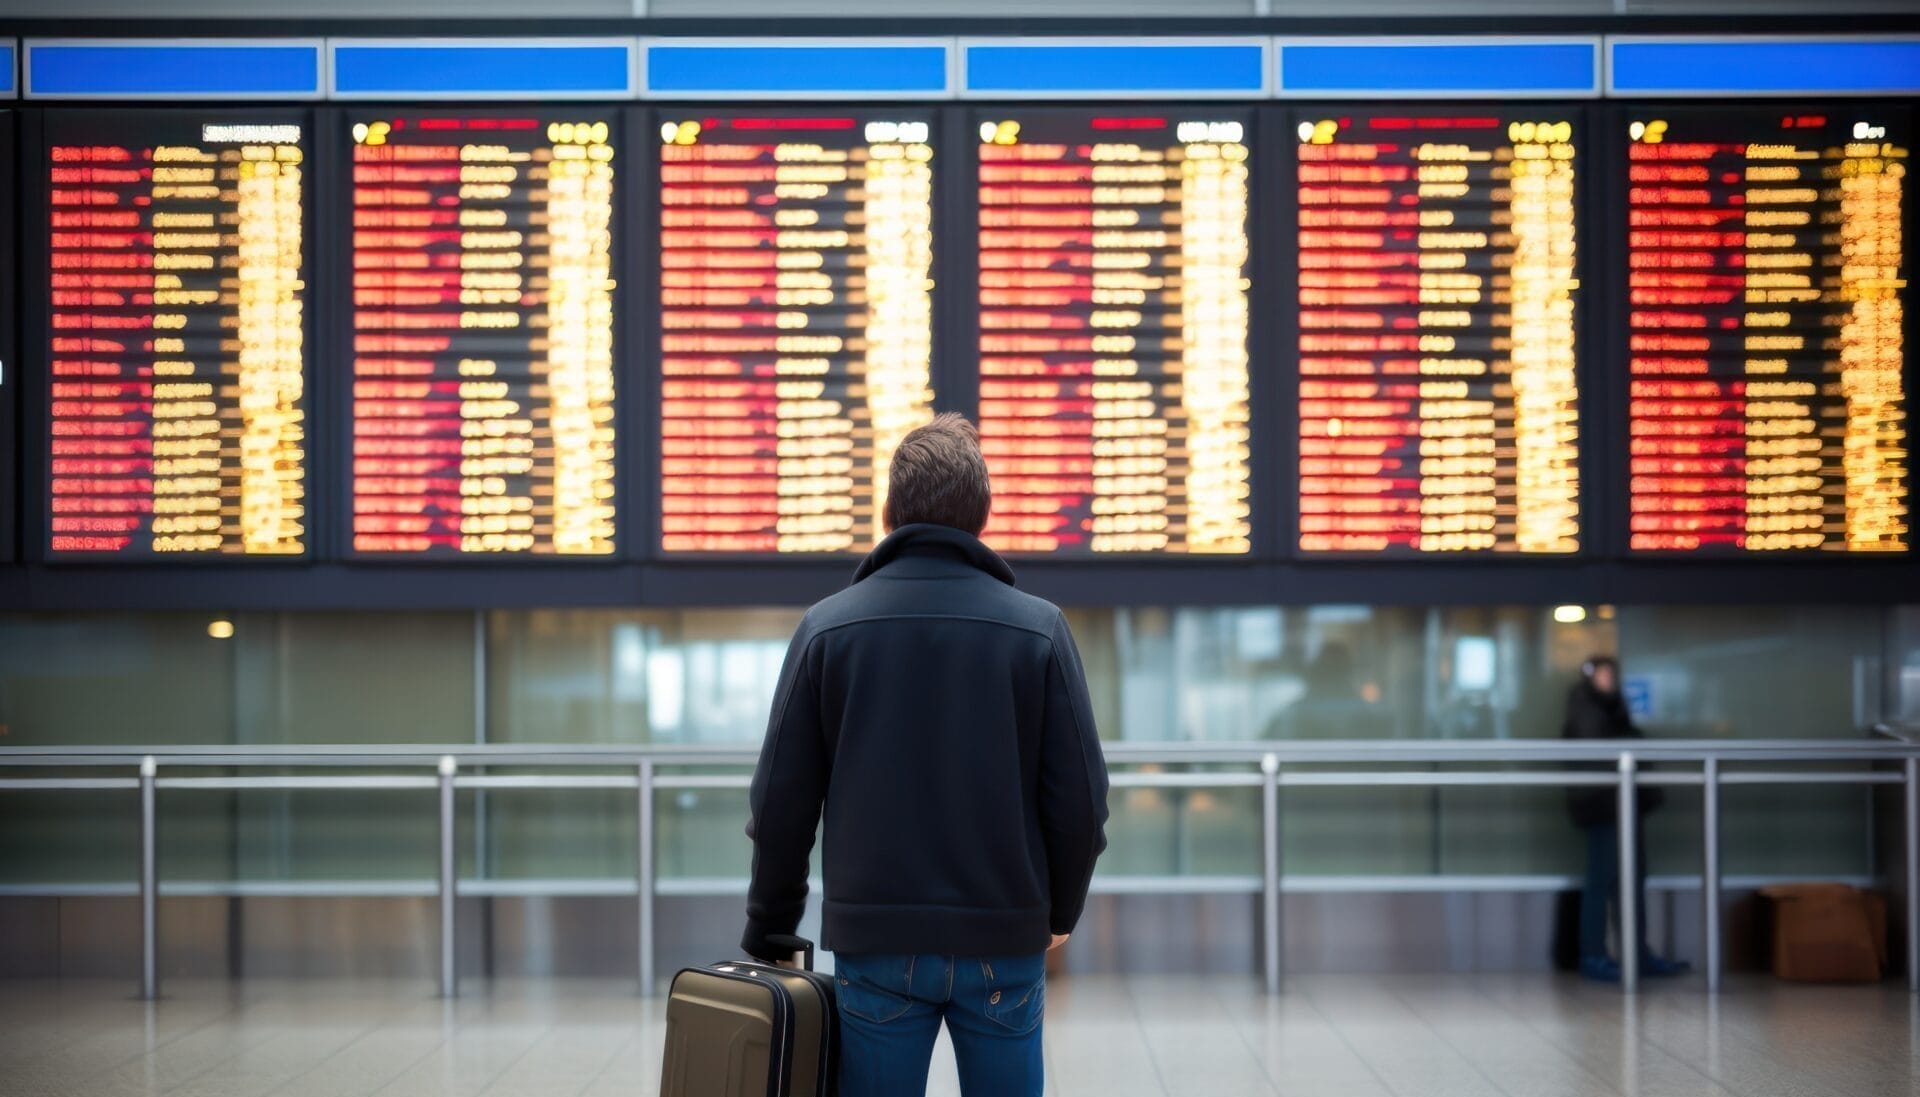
[{"x": 740, "y": 1028}]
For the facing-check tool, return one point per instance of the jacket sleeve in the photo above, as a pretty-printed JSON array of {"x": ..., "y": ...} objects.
[
  {"x": 789, "y": 787},
  {"x": 1073, "y": 783}
]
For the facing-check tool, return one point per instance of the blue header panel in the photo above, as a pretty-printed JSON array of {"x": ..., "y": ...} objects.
[
  {"x": 9, "y": 53},
  {"x": 798, "y": 68},
  {"x": 1763, "y": 66},
  {"x": 1411, "y": 68},
  {"x": 554, "y": 68},
  {"x": 213, "y": 68},
  {"x": 1093, "y": 69}
]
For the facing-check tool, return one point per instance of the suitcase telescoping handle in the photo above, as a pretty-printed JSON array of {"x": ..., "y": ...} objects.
[{"x": 791, "y": 943}]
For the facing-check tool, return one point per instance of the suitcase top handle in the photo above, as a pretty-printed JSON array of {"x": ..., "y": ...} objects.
[{"x": 794, "y": 944}]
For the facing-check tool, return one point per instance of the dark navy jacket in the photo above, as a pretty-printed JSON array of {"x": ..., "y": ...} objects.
[
  {"x": 941, "y": 719},
  {"x": 1592, "y": 714}
]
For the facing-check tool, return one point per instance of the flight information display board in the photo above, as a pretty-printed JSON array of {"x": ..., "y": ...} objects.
[
  {"x": 796, "y": 281},
  {"x": 1113, "y": 295},
  {"x": 176, "y": 349},
  {"x": 1438, "y": 280},
  {"x": 1766, "y": 282},
  {"x": 483, "y": 407}
]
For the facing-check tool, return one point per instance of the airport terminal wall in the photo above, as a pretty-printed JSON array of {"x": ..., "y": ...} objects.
[
  {"x": 1395, "y": 878},
  {"x": 491, "y": 386}
]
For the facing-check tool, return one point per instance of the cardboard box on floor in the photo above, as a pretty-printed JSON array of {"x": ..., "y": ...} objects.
[{"x": 1827, "y": 933}]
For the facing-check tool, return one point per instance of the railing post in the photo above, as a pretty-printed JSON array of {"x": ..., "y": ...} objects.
[
  {"x": 1270, "y": 845},
  {"x": 149, "y": 883},
  {"x": 644, "y": 874},
  {"x": 1629, "y": 904},
  {"x": 449, "y": 959},
  {"x": 1710, "y": 870},
  {"x": 1912, "y": 852}
]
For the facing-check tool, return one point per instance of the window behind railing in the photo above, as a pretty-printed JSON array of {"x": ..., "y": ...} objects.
[{"x": 706, "y": 677}]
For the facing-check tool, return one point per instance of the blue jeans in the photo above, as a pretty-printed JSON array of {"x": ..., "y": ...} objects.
[
  {"x": 890, "y": 1013},
  {"x": 1603, "y": 888}
]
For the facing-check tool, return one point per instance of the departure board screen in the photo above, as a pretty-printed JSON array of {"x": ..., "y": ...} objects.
[
  {"x": 483, "y": 414},
  {"x": 1438, "y": 279},
  {"x": 176, "y": 349},
  {"x": 1113, "y": 290},
  {"x": 1766, "y": 282},
  {"x": 796, "y": 280}
]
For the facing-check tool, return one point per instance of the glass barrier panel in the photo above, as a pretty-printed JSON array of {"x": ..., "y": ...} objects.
[{"x": 115, "y": 679}]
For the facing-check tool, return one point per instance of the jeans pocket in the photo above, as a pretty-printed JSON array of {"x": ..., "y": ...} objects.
[
  {"x": 873, "y": 988},
  {"x": 1016, "y": 991}
]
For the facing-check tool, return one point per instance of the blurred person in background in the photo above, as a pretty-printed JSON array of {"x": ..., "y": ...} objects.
[
  {"x": 1596, "y": 710},
  {"x": 941, "y": 719}
]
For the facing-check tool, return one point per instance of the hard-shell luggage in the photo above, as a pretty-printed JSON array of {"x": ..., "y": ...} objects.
[{"x": 739, "y": 1028}]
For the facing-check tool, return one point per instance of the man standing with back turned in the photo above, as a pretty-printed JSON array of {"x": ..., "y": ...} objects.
[{"x": 941, "y": 719}]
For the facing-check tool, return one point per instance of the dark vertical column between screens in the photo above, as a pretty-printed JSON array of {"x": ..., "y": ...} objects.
[
  {"x": 10, "y": 328},
  {"x": 1602, "y": 420},
  {"x": 956, "y": 317},
  {"x": 1272, "y": 336},
  {"x": 636, "y": 333},
  {"x": 330, "y": 309}
]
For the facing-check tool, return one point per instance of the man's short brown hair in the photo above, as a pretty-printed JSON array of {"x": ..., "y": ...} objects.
[{"x": 938, "y": 475}]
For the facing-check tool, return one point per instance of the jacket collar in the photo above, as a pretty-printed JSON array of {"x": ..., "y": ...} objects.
[{"x": 928, "y": 539}]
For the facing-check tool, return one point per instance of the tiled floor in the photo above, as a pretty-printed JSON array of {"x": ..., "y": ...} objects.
[{"x": 1158, "y": 1036}]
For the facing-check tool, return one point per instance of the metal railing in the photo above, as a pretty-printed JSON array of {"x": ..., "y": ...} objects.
[{"x": 1270, "y": 767}]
